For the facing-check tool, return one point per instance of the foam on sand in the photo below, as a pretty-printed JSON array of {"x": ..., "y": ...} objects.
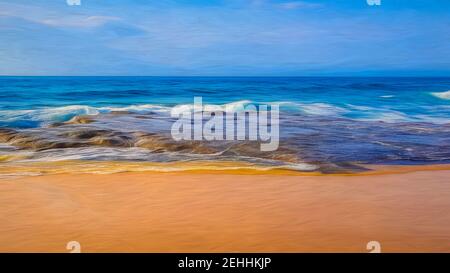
[{"x": 110, "y": 167}]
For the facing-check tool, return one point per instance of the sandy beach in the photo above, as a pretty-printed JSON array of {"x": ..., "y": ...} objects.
[
  {"x": 405, "y": 210},
  {"x": 271, "y": 126}
]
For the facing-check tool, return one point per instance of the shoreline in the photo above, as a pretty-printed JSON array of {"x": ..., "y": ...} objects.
[
  {"x": 230, "y": 212},
  {"x": 76, "y": 167}
]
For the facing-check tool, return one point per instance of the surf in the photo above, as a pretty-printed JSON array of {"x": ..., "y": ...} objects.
[{"x": 442, "y": 95}]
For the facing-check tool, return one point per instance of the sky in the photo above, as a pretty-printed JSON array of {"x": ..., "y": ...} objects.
[{"x": 225, "y": 38}]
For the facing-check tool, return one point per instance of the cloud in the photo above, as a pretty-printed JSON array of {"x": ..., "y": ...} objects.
[
  {"x": 298, "y": 4},
  {"x": 248, "y": 38},
  {"x": 53, "y": 18},
  {"x": 79, "y": 21}
]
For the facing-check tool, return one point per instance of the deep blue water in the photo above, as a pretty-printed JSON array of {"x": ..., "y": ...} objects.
[
  {"x": 389, "y": 99},
  {"x": 335, "y": 120}
]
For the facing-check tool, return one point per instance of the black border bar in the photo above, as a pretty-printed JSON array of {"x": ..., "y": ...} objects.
[{"x": 224, "y": 262}]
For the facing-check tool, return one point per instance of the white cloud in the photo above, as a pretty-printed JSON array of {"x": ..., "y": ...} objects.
[
  {"x": 49, "y": 17},
  {"x": 298, "y": 4},
  {"x": 79, "y": 21}
]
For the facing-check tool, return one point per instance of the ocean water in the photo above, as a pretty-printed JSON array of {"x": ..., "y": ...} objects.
[{"x": 326, "y": 123}]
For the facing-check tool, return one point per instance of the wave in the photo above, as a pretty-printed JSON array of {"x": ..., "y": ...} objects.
[
  {"x": 49, "y": 112},
  {"x": 33, "y": 118},
  {"x": 49, "y": 115},
  {"x": 313, "y": 109},
  {"x": 236, "y": 106},
  {"x": 367, "y": 113},
  {"x": 442, "y": 95},
  {"x": 140, "y": 108},
  {"x": 322, "y": 109}
]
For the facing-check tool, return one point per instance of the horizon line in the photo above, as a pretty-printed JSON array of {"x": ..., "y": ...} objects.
[{"x": 229, "y": 76}]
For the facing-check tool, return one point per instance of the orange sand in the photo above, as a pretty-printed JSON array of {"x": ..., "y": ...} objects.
[{"x": 407, "y": 210}]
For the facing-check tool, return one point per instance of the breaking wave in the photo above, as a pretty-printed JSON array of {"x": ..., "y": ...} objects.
[
  {"x": 442, "y": 95},
  {"x": 46, "y": 116}
]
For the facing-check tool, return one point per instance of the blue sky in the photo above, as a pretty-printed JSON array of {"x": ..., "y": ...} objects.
[{"x": 225, "y": 38}]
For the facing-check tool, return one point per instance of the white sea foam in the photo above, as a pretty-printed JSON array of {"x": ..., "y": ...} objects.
[
  {"x": 142, "y": 108},
  {"x": 321, "y": 109},
  {"x": 64, "y": 113},
  {"x": 137, "y": 159},
  {"x": 357, "y": 112},
  {"x": 315, "y": 108},
  {"x": 48, "y": 114},
  {"x": 230, "y": 107},
  {"x": 442, "y": 95},
  {"x": 89, "y": 153},
  {"x": 106, "y": 168},
  {"x": 301, "y": 167},
  {"x": 359, "y": 107}
]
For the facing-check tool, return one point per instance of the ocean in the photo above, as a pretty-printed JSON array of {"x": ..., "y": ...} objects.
[{"x": 329, "y": 124}]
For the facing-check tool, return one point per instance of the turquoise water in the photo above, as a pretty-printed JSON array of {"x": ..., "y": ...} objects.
[
  {"x": 323, "y": 120},
  {"x": 385, "y": 99}
]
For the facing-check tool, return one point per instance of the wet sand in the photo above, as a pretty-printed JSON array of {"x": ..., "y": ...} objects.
[{"x": 405, "y": 210}]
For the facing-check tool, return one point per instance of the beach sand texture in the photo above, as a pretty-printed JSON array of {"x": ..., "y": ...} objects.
[{"x": 404, "y": 210}]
